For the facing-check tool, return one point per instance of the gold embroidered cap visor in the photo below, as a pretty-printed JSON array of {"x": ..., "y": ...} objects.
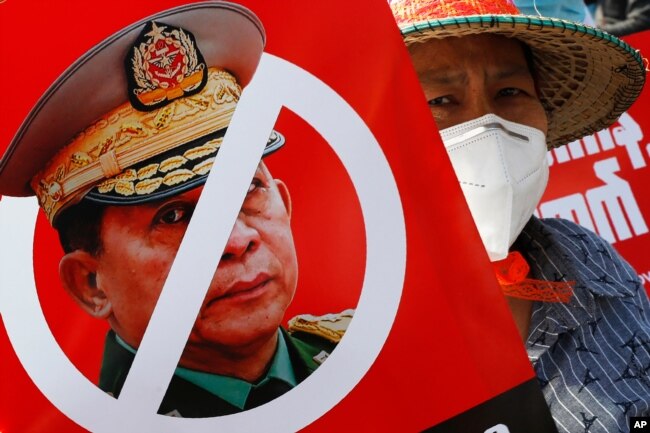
[
  {"x": 84, "y": 137},
  {"x": 168, "y": 174}
]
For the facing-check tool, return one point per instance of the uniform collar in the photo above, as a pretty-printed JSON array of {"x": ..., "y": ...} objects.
[{"x": 232, "y": 390}]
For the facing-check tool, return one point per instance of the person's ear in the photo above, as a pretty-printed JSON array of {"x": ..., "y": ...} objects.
[
  {"x": 77, "y": 271},
  {"x": 284, "y": 193}
]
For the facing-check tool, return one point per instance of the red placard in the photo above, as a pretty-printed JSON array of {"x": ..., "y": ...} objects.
[
  {"x": 446, "y": 352},
  {"x": 602, "y": 181}
]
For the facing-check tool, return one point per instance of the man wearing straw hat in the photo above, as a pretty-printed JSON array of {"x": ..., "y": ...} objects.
[
  {"x": 503, "y": 88},
  {"x": 117, "y": 152}
]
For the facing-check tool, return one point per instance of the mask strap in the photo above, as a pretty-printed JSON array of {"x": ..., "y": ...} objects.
[{"x": 511, "y": 273}]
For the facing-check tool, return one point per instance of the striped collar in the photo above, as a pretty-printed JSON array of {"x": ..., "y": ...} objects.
[{"x": 559, "y": 250}]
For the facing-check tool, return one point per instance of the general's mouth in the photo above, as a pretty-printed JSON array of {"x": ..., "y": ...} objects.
[{"x": 245, "y": 290}]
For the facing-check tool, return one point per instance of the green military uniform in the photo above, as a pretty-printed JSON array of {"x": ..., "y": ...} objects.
[{"x": 193, "y": 395}]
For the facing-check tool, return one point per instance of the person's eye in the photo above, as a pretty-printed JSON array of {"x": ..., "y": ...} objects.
[
  {"x": 440, "y": 100},
  {"x": 510, "y": 91},
  {"x": 173, "y": 215}
]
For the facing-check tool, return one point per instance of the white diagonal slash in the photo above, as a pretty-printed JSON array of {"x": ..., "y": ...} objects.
[
  {"x": 277, "y": 83},
  {"x": 201, "y": 249}
]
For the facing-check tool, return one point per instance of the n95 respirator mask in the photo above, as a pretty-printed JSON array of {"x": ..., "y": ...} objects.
[{"x": 503, "y": 171}]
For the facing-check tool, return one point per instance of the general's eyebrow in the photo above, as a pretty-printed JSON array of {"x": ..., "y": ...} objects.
[{"x": 155, "y": 206}]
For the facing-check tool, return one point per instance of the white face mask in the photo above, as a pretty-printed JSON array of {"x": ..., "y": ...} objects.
[{"x": 503, "y": 171}]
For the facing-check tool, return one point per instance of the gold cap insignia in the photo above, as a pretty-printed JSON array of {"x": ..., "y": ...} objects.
[{"x": 163, "y": 65}]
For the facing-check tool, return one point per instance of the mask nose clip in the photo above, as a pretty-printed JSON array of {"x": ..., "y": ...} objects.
[{"x": 489, "y": 127}]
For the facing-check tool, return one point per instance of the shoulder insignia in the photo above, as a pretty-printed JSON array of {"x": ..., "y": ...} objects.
[
  {"x": 329, "y": 326},
  {"x": 321, "y": 357}
]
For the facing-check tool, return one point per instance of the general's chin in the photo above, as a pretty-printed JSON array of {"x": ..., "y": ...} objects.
[{"x": 240, "y": 333}]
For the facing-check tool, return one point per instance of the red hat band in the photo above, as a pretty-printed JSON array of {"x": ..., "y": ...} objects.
[{"x": 412, "y": 11}]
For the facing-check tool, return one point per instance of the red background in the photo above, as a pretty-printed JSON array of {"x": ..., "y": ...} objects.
[
  {"x": 453, "y": 344},
  {"x": 577, "y": 175}
]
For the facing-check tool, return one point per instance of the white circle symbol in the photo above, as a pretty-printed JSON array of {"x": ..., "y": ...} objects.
[{"x": 277, "y": 83}]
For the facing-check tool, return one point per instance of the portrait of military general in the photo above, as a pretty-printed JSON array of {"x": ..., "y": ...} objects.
[{"x": 118, "y": 174}]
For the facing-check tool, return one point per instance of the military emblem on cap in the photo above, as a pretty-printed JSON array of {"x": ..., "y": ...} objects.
[
  {"x": 183, "y": 84},
  {"x": 163, "y": 65},
  {"x": 160, "y": 143}
]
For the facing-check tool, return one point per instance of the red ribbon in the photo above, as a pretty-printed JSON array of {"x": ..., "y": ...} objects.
[{"x": 511, "y": 273}]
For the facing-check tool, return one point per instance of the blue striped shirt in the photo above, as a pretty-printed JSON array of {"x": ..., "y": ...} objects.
[{"x": 592, "y": 355}]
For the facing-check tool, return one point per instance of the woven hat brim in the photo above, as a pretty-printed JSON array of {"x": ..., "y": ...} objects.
[{"x": 587, "y": 78}]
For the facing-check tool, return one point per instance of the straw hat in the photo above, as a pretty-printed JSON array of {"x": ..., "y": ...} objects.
[
  {"x": 587, "y": 78},
  {"x": 142, "y": 115}
]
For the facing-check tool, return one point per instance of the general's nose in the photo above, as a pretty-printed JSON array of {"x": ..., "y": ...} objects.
[{"x": 243, "y": 238}]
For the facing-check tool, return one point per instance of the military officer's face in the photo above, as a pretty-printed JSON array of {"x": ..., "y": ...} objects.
[{"x": 254, "y": 283}]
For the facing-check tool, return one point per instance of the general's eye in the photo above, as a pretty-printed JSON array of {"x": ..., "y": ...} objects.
[
  {"x": 510, "y": 91},
  {"x": 440, "y": 100},
  {"x": 173, "y": 215},
  {"x": 255, "y": 184}
]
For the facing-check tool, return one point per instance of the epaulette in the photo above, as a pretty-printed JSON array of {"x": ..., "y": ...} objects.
[{"x": 330, "y": 326}]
